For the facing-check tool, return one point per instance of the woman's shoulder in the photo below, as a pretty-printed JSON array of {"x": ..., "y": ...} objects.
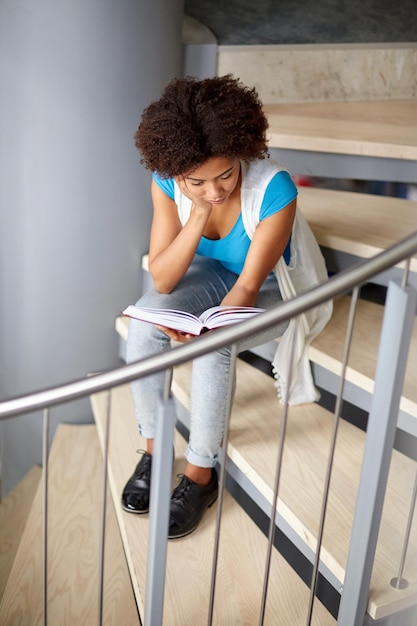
[{"x": 166, "y": 184}]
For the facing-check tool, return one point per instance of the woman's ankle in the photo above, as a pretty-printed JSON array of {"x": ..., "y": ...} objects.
[
  {"x": 149, "y": 446},
  {"x": 199, "y": 475}
]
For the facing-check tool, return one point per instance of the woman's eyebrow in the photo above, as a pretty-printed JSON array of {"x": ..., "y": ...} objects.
[{"x": 200, "y": 180}]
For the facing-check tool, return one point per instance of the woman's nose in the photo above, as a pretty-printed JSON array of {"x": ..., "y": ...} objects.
[{"x": 214, "y": 190}]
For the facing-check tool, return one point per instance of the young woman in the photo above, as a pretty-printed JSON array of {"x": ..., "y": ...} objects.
[{"x": 226, "y": 231}]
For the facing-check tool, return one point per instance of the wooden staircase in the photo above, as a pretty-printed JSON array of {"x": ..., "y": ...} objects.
[
  {"x": 253, "y": 449},
  {"x": 349, "y": 227},
  {"x": 76, "y": 472},
  {"x": 256, "y": 416}
]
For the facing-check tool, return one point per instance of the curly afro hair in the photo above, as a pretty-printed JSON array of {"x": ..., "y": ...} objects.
[{"x": 195, "y": 120}]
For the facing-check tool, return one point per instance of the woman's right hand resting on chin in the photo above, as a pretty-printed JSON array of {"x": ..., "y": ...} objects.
[{"x": 198, "y": 203}]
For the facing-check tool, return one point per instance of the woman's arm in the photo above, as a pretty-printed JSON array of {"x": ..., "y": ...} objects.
[
  {"x": 267, "y": 246},
  {"x": 173, "y": 246}
]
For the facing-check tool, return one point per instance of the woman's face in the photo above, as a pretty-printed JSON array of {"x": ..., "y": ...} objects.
[{"x": 215, "y": 180}]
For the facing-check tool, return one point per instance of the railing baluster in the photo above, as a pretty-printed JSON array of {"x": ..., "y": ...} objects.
[
  {"x": 222, "y": 483},
  {"x": 389, "y": 377},
  {"x": 336, "y": 419},
  {"x": 406, "y": 272},
  {"x": 399, "y": 582},
  {"x": 45, "y": 489},
  {"x": 104, "y": 509},
  {"x": 284, "y": 421},
  {"x": 159, "y": 507}
]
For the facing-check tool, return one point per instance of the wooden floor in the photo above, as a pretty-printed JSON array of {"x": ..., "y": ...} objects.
[
  {"x": 75, "y": 469},
  {"x": 253, "y": 447},
  {"x": 242, "y": 549}
]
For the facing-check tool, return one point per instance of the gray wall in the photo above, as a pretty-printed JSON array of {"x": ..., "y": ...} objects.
[{"x": 75, "y": 207}]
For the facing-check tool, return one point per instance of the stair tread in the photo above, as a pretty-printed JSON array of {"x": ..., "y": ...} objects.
[
  {"x": 14, "y": 511},
  {"x": 379, "y": 128},
  {"x": 327, "y": 348},
  {"x": 253, "y": 448},
  {"x": 369, "y": 228},
  {"x": 189, "y": 560},
  {"x": 75, "y": 477}
]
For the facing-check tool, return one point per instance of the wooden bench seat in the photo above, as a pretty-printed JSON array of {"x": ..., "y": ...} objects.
[
  {"x": 75, "y": 472},
  {"x": 253, "y": 447},
  {"x": 242, "y": 549}
]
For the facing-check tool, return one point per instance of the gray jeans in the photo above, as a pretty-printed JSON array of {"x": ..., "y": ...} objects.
[{"x": 205, "y": 285}]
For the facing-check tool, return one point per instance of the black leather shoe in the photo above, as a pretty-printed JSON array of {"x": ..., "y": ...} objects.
[
  {"x": 135, "y": 496},
  {"x": 188, "y": 503}
]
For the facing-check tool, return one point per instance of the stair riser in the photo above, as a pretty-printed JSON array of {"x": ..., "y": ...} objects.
[{"x": 318, "y": 73}]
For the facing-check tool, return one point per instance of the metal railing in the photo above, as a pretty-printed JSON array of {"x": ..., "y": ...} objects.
[{"x": 399, "y": 313}]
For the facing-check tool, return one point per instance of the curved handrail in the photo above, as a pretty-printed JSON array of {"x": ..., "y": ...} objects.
[{"x": 337, "y": 285}]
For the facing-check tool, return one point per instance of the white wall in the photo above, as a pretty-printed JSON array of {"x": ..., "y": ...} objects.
[{"x": 74, "y": 202}]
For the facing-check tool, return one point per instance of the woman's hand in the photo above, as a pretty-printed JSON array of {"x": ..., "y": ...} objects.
[
  {"x": 198, "y": 202},
  {"x": 176, "y": 335}
]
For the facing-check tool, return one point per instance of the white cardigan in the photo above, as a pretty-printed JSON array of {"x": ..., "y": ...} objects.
[{"x": 305, "y": 270}]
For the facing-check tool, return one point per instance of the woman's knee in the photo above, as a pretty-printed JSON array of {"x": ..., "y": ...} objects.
[
  {"x": 144, "y": 339},
  {"x": 155, "y": 300}
]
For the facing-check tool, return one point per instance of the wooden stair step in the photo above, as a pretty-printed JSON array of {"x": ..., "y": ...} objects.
[
  {"x": 253, "y": 447},
  {"x": 75, "y": 478},
  {"x": 327, "y": 351},
  {"x": 378, "y": 127},
  {"x": 242, "y": 549},
  {"x": 359, "y": 224},
  {"x": 327, "y": 348},
  {"x": 14, "y": 511}
]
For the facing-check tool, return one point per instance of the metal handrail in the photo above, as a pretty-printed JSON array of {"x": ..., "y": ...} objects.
[{"x": 339, "y": 284}]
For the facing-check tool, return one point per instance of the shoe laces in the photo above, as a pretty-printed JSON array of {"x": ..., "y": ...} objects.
[
  {"x": 182, "y": 488},
  {"x": 142, "y": 469}
]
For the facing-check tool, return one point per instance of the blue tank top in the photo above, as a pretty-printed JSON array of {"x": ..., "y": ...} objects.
[{"x": 232, "y": 249}]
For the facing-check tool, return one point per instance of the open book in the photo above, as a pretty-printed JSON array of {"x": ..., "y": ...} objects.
[{"x": 187, "y": 322}]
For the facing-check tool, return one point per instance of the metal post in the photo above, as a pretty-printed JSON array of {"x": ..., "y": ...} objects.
[
  {"x": 104, "y": 510},
  {"x": 392, "y": 359},
  {"x": 272, "y": 522},
  {"x": 222, "y": 481},
  {"x": 333, "y": 440},
  {"x": 399, "y": 582},
  {"x": 45, "y": 494},
  {"x": 159, "y": 507}
]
